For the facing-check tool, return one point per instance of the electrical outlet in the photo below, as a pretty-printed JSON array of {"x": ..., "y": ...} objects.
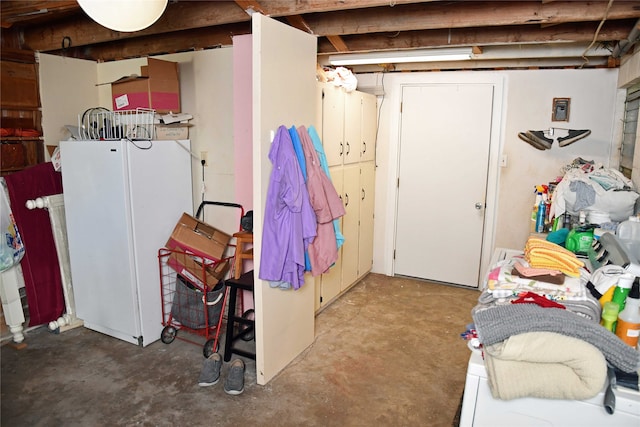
[{"x": 203, "y": 157}]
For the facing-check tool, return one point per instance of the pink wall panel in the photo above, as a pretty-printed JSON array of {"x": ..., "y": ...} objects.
[
  {"x": 242, "y": 132},
  {"x": 242, "y": 119}
]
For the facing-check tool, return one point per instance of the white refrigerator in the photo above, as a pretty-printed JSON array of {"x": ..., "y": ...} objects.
[{"x": 122, "y": 201}]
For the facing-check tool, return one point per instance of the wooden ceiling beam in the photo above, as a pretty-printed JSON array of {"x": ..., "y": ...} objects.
[
  {"x": 466, "y": 14},
  {"x": 251, "y": 6},
  {"x": 365, "y": 25},
  {"x": 178, "y": 16},
  {"x": 297, "y": 21},
  {"x": 338, "y": 43},
  {"x": 181, "y": 15},
  {"x": 279, "y": 8},
  {"x": 363, "y": 16},
  {"x": 191, "y": 40},
  {"x": 523, "y": 34},
  {"x": 13, "y": 11}
]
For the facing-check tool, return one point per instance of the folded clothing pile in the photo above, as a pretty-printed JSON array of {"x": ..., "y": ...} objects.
[
  {"x": 547, "y": 352},
  {"x": 540, "y": 335},
  {"x": 523, "y": 366},
  {"x": 540, "y": 253},
  {"x": 497, "y": 323}
]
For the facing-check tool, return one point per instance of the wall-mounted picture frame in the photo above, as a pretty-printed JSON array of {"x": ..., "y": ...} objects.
[{"x": 560, "y": 111}]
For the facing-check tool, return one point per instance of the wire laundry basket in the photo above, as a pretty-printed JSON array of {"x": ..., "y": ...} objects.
[{"x": 102, "y": 124}]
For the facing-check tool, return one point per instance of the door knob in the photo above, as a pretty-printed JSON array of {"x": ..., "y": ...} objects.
[{"x": 478, "y": 205}]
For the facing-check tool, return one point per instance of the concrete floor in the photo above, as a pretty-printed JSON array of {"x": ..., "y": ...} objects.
[{"x": 388, "y": 353}]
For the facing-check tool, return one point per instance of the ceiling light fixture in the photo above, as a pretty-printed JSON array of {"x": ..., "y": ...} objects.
[
  {"x": 124, "y": 15},
  {"x": 422, "y": 55}
]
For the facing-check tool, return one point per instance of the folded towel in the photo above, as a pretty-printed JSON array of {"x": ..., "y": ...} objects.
[
  {"x": 541, "y": 253},
  {"x": 497, "y": 323},
  {"x": 502, "y": 279},
  {"x": 524, "y": 366}
]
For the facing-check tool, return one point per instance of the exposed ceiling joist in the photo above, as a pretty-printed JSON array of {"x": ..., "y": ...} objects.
[
  {"x": 251, "y": 6},
  {"x": 474, "y": 14},
  {"x": 341, "y": 26}
]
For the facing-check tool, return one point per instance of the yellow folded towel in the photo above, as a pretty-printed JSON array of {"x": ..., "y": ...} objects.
[{"x": 540, "y": 253}]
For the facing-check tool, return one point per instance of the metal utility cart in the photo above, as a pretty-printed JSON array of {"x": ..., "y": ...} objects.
[{"x": 194, "y": 293}]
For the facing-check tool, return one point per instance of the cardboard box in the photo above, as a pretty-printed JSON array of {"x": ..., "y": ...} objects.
[
  {"x": 172, "y": 132},
  {"x": 158, "y": 88},
  {"x": 196, "y": 237},
  {"x": 196, "y": 271}
]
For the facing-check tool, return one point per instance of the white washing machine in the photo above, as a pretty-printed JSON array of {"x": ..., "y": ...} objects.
[{"x": 480, "y": 409}]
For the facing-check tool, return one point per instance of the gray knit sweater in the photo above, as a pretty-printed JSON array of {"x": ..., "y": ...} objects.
[{"x": 497, "y": 323}]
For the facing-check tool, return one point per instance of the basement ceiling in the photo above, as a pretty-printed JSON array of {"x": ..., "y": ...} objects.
[{"x": 503, "y": 34}]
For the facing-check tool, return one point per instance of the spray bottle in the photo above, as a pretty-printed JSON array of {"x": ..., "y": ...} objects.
[
  {"x": 628, "y": 325},
  {"x": 540, "y": 191},
  {"x": 534, "y": 211},
  {"x": 541, "y": 216},
  {"x": 622, "y": 289}
]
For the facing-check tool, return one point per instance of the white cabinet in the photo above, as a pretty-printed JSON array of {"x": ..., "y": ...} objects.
[
  {"x": 369, "y": 127},
  {"x": 357, "y": 224},
  {"x": 348, "y": 136},
  {"x": 365, "y": 216},
  {"x": 352, "y": 127},
  {"x": 332, "y": 123},
  {"x": 348, "y": 125}
]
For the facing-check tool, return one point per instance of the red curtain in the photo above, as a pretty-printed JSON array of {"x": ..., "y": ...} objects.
[{"x": 40, "y": 266}]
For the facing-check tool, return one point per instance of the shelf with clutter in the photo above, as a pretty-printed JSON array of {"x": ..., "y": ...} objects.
[
  {"x": 21, "y": 116},
  {"x": 557, "y": 321}
]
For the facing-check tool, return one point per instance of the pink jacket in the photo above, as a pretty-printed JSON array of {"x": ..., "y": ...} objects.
[{"x": 323, "y": 251}]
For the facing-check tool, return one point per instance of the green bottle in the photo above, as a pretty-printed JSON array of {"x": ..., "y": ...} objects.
[
  {"x": 610, "y": 315},
  {"x": 622, "y": 290}
]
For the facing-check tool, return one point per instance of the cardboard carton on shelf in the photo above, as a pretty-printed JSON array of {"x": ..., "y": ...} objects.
[
  {"x": 198, "y": 238},
  {"x": 172, "y": 126},
  {"x": 174, "y": 131},
  {"x": 158, "y": 88}
]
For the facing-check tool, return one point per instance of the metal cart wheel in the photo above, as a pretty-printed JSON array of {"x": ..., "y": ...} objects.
[
  {"x": 210, "y": 347},
  {"x": 249, "y": 335},
  {"x": 168, "y": 334}
]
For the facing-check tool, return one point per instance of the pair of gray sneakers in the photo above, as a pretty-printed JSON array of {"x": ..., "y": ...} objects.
[
  {"x": 210, "y": 374},
  {"x": 537, "y": 139}
]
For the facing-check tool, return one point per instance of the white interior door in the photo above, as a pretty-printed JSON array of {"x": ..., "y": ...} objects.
[{"x": 444, "y": 151}]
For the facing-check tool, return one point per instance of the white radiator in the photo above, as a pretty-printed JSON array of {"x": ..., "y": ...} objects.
[{"x": 55, "y": 205}]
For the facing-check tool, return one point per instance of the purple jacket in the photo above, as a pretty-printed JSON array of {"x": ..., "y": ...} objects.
[{"x": 289, "y": 220}]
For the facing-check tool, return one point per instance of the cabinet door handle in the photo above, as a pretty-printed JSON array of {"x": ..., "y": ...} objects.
[
  {"x": 364, "y": 147},
  {"x": 348, "y": 148},
  {"x": 346, "y": 198},
  {"x": 341, "y": 148},
  {"x": 363, "y": 194}
]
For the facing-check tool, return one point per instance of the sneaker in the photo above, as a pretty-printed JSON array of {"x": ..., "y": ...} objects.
[
  {"x": 234, "y": 384},
  {"x": 210, "y": 374},
  {"x": 573, "y": 136},
  {"x": 531, "y": 142},
  {"x": 538, "y": 136}
]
